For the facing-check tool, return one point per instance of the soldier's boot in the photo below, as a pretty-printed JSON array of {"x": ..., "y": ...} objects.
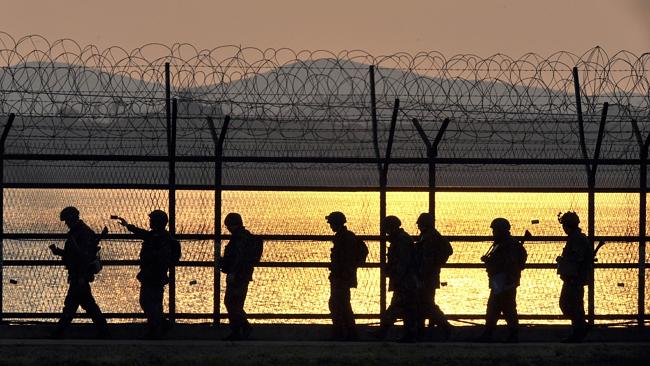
[
  {"x": 443, "y": 329},
  {"x": 152, "y": 333},
  {"x": 353, "y": 335},
  {"x": 578, "y": 334},
  {"x": 57, "y": 333},
  {"x": 103, "y": 333},
  {"x": 513, "y": 336},
  {"x": 233, "y": 336},
  {"x": 408, "y": 337},
  {"x": 101, "y": 326},
  {"x": 485, "y": 337},
  {"x": 423, "y": 333},
  {"x": 446, "y": 331},
  {"x": 337, "y": 334},
  {"x": 379, "y": 333},
  {"x": 584, "y": 330},
  {"x": 247, "y": 329},
  {"x": 167, "y": 325}
]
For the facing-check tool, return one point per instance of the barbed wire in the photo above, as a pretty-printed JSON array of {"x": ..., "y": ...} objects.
[{"x": 288, "y": 102}]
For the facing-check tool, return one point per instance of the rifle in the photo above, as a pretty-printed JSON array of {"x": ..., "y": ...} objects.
[{"x": 600, "y": 245}]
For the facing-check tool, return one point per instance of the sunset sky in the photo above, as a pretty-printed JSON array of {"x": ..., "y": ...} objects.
[{"x": 379, "y": 26}]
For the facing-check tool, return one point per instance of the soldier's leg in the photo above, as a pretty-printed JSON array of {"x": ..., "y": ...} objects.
[
  {"x": 578, "y": 318},
  {"x": 70, "y": 306},
  {"x": 437, "y": 316},
  {"x": 509, "y": 307},
  {"x": 390, "y": 314},
  {"x": 145, "y": 303},
  {"x": 389, "y": 317},
  {"x": 348, "y": 315},
  {"x": 565, "y": 301},
  {"x": 234, "y": 305},
  {"x": 334, "y": 303},
  {"x": 581, "y": 305},
  {"x": 151, "y": 299},
  {"x": 408, "y": 305},
  {"x": 492, "y": 314},
  {"x": 88, "y": 303},
  {"x": 425, "y": 304},
  {"x": 158, "y": 311},
  {"x": 243, "y": 294},
  {"x": 228, "y": 301}
]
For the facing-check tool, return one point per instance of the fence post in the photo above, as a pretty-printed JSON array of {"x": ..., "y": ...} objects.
[
  {"x": 383, "y": 181},
  {"x": 3, "y": 139},
  {"x": 168, "y": 127},
  {"x": 172, "y": 206},
  {"x": 168, "y": 104},
  {"x": 382, "y": 194},
  {"x": 218, "y": 154},
  {"x": 592, "y": 210},
  {"x": 643, "y": 191},
  {"x": 590, "y": 192},
  {"x": 389, "y": 145},
  {"x": 432, "y": 154}
]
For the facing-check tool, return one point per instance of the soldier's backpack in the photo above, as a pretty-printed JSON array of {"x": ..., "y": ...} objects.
[
  {"x": 176, "y": 251},
  {"x": 522, "y": 255},
  {"x": 361, "y": 251},
  {"x": 95, "y": 251},
  {"x": 254, "y": 250},
  {"x": 446, "y": 250}
]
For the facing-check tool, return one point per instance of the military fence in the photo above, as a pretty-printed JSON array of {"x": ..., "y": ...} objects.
[{"x": 285, "y": 136}]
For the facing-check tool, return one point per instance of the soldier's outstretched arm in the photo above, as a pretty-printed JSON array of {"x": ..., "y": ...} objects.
[{"x": 138, "y": 232}]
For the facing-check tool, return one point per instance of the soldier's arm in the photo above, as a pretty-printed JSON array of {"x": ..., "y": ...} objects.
[
  {"x": 138, "y": 232},
  {"x": 56, "y": 250},
  {"x": 351, "y": 252},
  {"x": 403, "y": 261},
  {"x": 575, "y": 251},
  {"x": 334, "y": 259},
  {"x": 226, "y": 260},
  {"x": 235, "y": 255},
  {"x": 390, "y": 260}
]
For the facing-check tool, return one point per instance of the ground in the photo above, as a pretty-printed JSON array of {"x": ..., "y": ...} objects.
[{"x": 303, "y": 345}]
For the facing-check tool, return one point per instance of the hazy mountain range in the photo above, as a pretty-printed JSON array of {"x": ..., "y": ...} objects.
[{"x": 317, "y": 109}]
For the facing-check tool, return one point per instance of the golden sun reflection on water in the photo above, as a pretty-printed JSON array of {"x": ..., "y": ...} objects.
[{"x": 305, "y": 290}]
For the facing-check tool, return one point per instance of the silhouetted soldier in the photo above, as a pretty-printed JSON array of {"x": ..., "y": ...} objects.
[
  {"x": 432, "y": 252},
  {"x": 504, "y": 262},
  {"x": 156, "y": 257},
  {"x": 238, "y": 266},
  {"x": 78, "y": 255},
  {"x": 402, "y": 273},
  {"x": 574, "y": 268},
  {"x": 343, "y": 276}
]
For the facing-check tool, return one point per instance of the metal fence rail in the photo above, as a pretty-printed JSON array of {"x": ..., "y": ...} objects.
[{"x": 216, "y": 315}]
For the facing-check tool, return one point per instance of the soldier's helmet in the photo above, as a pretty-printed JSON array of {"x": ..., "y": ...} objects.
[
  {"x": 69, "y": 213},
  {"x": 425, "y": 219},
  {"x": 500, "y": 224},
  {"x": 391, "y": 223},
  {"x": 159, "y": 216},
  {"x": 569, "y": 219},
  {"x": 233, "y": 219},
  {"x": 336, "y": 217}
]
